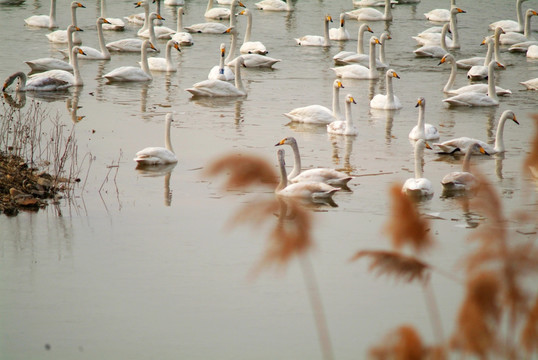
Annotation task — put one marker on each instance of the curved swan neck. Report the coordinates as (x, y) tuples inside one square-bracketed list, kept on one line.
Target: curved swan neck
[(70, 31), (145, 26), (167, 142), (11, 79), (419, 150), (489, 53), (360, 39), (527, 31), (519, 14), (238, 80), (249, 26), (297, 160), (492, 93), (283, 176), (52, 14), (454, 29), (452, 77), (499, 135), (144, 59), (388, 10), (233, 44), (179, 19), (168, 54), (337, 113), (326, 41), (76, 71), (443, 37), (100, 36)]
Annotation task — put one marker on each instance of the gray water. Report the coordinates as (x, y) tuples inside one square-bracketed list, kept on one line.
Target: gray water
[(133, 272)]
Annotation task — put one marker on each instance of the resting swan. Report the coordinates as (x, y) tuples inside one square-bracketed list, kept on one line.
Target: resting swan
[(219, 13), (316, 40), (44, 21), (52, 80), (463, 144), (423, 130), (133, 44), (159, 155), (317, 114), (434, 51), (324, 175), (339, 33), (220, 71), (389, 101), (133, 73), (462, 180), (478, 98), (440, 15), (219, 88), (250, 60), (418, 186), (511, 25), (346, 127), (482, 88), (360, 46), (60, 36), (355, 71), (370, 14), (103, 53), (214, 27), (251, 47), (112, 23), (431, 38), (182, 37), (531, 84), (164, 64), (274, 5)]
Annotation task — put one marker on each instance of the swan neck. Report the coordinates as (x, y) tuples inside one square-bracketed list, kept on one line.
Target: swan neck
[(360, 40), (52, 14), (519, 13), (103, 9), (496, 45), (167, 142), (454, 29), (76, 71), (337, 113), (70, 32), (382, 52), (489, 54), (249, 27), (22, 77), (418, 160), (420, 124), (443, 38), (152, 37), (390, 91), (467, 161), (102, 45), (221, 64), (388, 10), (168, 54), (348, 115), (492, 93), (179, 20), (499, 135), (145, 26), (452, 77), (74, 15), (283, 176), (238, 80), (326, 40), (297, 161), (233, 44), (527, 31), (209, 5), (371, 61), (144, 59)]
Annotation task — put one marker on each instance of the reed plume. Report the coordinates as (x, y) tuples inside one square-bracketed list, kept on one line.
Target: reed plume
[(402, 343)]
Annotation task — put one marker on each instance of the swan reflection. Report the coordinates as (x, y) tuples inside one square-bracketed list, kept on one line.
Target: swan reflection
[(157, 171), (18, 102), (72, 107)]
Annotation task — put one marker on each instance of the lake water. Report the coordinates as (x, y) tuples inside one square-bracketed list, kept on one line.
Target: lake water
[(130, 271)]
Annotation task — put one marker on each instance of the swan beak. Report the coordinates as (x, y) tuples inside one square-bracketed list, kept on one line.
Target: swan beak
[(222, 52), (483, 42), (395, 75), (389, 37), (281, 142), (427, 146), (80, 5), (340, 84), (5, 86), (369, 29), (160, 17), (482, 151), (515, 120), (329, 18), (534, 13), (442, 61), (78, 29), (176, 45), (105, 21), (351, 100), (242, 5), (241, 13), (81, 52), (229, 30), (419, 102), (461, 11), (152, 46), (342, 21), (138, 4), (501, 66), (377, 41)]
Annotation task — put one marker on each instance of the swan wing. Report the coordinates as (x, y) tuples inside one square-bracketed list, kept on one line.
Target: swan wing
[(313, 114), (272, 5), (183, 38), (127, 73), (253, 47), (155, 156), (418, 187), (458, 180), (214, 88), (307, 190), (207, 28), (126, 45), (44, 64), (324, 175), (218, 13), (255, 61), (310, 40), (353, 71)]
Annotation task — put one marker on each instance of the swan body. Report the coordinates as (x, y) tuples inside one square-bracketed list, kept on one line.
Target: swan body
[(181, 37), (422, 130), (133, 44), (114, 24), (440, 15), (221, 72), (340, 127), (219, 88), (511, 38), (159, 32), (434, 51), (431, 38), (179, 2), (462, 180), (355, 71), (464, 144), (389, 101), (305, 190), (531, 84), (480, 88), (522, 46), (364, 59), (164, 64), (274, 5), (479, 72), (255, 61), (45, 64), (251, 47), (133, 73), (477, 98), (378, 3), (214, 27), (360, 46), (340, 33), (324, 175), (44, 21), (418, 186), (103, 53), (511, 25), (60, 36), (218, 13), (316, 40), (317, 114), (158, 155), (370, 14)]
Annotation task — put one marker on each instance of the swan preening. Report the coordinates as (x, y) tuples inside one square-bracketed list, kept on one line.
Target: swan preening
[(387, 101), (457, 181), (344, 127), (370, 14), (164, 64), (305, 190), (219, 88), (159, 155), (418, 186), (133, 73), (316, 40), (356, 71), (464, 144), (44, 21), (317, 114), (423, 130), (324, 175), (52, 80), (60, 36)]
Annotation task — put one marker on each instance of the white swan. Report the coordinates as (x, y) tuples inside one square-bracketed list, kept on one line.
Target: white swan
[(164, 64), (251, 47), (479, 60), (324, 175), (178, 2), (482, 88), (219, 88), (218, 13), (463, 144), (340, 127), (355, 71), (440, 15), (44, 21), (214, 27), (462, 180), (511, 25), (531, 84), (160, 32), (44, 64), (138, 18), (159, 155), (114, 24), (511, 38), (60, 36), (387, 101), (316, 40), (418, 186), (133, 73), (318, 114), (370, 14), (102, 53), (364, 59), (134, 44), (220, 71), (339, 33), (532, 52), (305, 190), (422, 130), (479, 72), (274, 5), (52, 80), (379, 3), (182, 37), (431, 38), (434, 51), (360, 45), (478, 98), (249, 60)]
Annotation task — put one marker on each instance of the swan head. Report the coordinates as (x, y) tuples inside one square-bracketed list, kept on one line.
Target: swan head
[(392, 73), (447, 57), (328, 18), (365, 27), (350, 99), (75, 4), (141, 3), (421, 102), (148, 45), (338, 84), (154, 16), (77, 50), (287, 141), (530, 12), (222, 49), (342, 19), (10, 80), (72, 28), (375, 40), (100, 21), (457, 10), (385, 36), (477, 147), (509, 114), (230, 30), (499, 65), (421, 143)]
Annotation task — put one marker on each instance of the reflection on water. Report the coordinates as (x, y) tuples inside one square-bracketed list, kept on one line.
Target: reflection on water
[(19, 102), (336, 142), (157, 171), (72, 106), (499, 157)]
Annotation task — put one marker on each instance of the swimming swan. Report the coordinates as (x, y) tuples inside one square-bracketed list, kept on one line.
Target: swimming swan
[(531, 84), (316, 40), (511, 38), (220, 71), (370, 14), (114, 24), (422, 130), (103, 53), (60, 36), (346, 127), (219, 13), (356, 71), (214, 27), (182, 37), (479, 72), (164, 64), (219, 88), (418, 186), (44, 21), (511, 25), (387, 101), (360, 45), (462, 180), (339, 33), (466, 143), (133, 73), (431, 38), (133, 44), (249, 60), (251, 47), (317, 114), (364, 59), (159, 155), (274, 5), (479, 60), (434, 51), (324, 175), (440, 15)]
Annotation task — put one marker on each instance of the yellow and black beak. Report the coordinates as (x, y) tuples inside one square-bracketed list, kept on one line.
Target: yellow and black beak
[(80, 5), (369, 29), (281, 142), (482, 151), (515, 120), (427, 146), (352, 100), (241, 4), (395, 75), (329, 18), (461, 11), (160, 17), (342, 22), (138, 4), (442, 61), (152, 46), (419, 102), (81, 52), (176, 46), (340, 85), (105, 21)]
